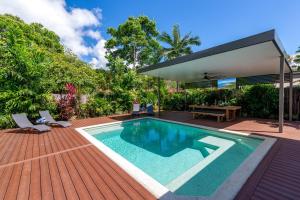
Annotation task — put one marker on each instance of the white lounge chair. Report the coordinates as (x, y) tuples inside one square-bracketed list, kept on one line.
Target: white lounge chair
[(136, 109), (51, 121), (23, 123)]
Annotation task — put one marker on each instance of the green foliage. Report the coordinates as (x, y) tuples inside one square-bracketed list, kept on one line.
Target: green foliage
[(135, 42), (297, 59), (256, 100), (96, 106), (176, 101), (67, 68), (6, 121), (24, 53), (33, 64), (178, 46), (125, 86), (25, 100), (132, 43), (260, 101)]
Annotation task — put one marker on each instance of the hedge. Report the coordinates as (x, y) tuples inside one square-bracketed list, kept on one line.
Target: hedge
[(256, 101)]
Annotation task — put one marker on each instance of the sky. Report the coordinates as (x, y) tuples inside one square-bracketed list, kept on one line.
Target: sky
[(82, 24)]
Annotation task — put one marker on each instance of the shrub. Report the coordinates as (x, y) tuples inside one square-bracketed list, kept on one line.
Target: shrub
[(25, 101), (146, 97), (256, 100), (96, 107), (175, 101), (6, 121), (66, 105), (259, 101)]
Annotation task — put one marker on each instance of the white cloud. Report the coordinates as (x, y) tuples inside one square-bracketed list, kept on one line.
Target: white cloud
[(99, 54), (93, 34), (71, 24), (83, 17)]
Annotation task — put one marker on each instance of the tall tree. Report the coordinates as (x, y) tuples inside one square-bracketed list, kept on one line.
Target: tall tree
[(177, 45), (135, 42)]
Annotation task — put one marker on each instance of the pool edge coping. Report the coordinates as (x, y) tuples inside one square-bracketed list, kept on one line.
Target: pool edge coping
[(226, 191)]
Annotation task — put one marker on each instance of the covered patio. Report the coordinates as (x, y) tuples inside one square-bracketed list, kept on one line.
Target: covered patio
[(257, 55)]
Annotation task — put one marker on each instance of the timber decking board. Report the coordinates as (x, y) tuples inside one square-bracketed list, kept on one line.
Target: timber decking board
[(38, 144), (277, 176), (61, 164)]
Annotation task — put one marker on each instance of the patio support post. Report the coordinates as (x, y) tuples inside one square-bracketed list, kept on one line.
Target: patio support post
[(281, 94), (291, 98), (158, 94), (185, 100)]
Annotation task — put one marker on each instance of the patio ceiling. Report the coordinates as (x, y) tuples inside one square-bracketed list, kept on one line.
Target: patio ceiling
[(255, 55)]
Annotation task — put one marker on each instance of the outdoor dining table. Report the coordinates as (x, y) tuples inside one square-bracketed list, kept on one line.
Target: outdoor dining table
[(230, 111)]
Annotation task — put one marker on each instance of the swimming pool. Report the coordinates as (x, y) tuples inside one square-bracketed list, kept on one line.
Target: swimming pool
[(170, 157)]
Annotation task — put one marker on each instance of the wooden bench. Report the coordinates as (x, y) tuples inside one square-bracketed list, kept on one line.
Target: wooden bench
[(229, 111), (219, 116)]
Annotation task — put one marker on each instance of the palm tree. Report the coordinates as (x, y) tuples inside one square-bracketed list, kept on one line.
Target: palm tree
[(178, 46), (296, 59)]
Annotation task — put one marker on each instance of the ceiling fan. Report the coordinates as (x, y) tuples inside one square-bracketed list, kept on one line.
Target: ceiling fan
[(211, 77)]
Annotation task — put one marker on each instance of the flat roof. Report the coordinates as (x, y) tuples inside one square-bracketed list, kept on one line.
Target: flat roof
[(251, 56)]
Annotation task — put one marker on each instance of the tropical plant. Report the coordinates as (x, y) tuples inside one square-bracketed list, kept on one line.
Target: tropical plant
[(96, 106), (260, 100), (24, 51), (133, 43), (297, 59), (66, 103), (33, 65), (178, 45), (175, 101)]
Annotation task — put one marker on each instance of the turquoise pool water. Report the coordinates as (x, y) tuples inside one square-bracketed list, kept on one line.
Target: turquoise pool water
[(185, 159)]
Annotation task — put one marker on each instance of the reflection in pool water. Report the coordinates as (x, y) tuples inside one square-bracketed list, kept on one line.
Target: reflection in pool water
[(164, 140), (167, 151)]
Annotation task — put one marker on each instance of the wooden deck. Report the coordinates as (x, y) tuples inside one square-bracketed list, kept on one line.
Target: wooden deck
[(277, 176), (61, 164)]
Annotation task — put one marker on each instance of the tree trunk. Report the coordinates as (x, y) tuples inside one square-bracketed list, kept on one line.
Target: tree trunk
[(177, 86), (134, 57)]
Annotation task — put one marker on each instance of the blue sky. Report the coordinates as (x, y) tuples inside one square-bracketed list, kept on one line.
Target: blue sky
[(215, 22), (82, 24)]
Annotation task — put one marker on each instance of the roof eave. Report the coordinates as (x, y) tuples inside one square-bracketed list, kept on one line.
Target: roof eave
[(234, 45)]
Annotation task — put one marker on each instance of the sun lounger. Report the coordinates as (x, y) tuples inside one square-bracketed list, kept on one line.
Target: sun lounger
[(51, 121), (136, 109), (23, 123), (150, 109)]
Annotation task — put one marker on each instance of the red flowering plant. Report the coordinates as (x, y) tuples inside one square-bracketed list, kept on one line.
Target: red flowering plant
[(66, 104)]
